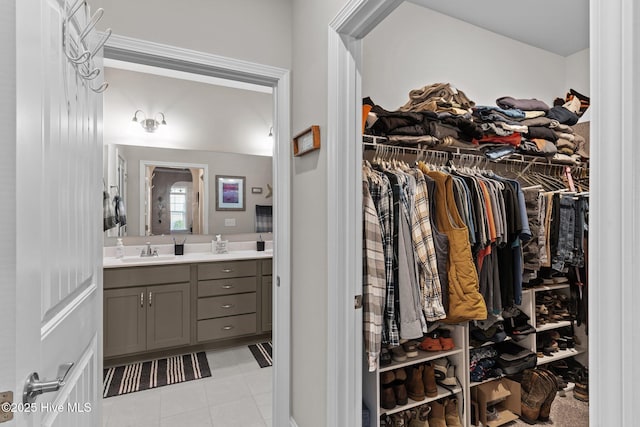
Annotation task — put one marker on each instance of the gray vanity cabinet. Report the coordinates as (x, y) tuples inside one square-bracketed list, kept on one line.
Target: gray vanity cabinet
[(144, 318), (227, 300), (125, 321), (267, 296), (211, 304), (168, 320)]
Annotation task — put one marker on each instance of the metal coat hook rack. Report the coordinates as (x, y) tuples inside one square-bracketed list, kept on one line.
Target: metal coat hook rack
[(75, 42)]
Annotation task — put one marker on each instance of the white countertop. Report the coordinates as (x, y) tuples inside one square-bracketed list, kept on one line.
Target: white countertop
[(194, 253)]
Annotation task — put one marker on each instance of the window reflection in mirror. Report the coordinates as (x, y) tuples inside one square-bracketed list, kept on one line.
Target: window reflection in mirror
[(173, 199)]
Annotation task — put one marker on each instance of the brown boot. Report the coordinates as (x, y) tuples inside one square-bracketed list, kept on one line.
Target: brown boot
[(545, 408), (387, 377), (451, 414), (415, 386), (387, 397), (429, 380), (400, 392), (534, 393), (436, 416)]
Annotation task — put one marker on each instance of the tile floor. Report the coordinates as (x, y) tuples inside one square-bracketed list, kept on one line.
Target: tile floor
[(238, 393)]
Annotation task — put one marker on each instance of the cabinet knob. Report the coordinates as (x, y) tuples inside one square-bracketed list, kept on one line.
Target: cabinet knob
[(227, 328), (227, 270), (227, 306), (227, 286)]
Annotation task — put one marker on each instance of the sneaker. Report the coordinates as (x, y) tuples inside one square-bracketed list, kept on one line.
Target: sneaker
[(398, 354), (398, 420), (410, 349), (421, 418), (385, 357)]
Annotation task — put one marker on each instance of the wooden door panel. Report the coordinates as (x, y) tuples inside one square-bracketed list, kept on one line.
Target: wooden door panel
[(58, 205)]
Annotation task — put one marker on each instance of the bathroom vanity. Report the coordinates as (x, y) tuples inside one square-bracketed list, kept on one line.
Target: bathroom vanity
[(195, 301)]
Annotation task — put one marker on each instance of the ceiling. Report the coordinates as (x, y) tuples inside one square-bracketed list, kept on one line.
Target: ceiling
[(561, 27)]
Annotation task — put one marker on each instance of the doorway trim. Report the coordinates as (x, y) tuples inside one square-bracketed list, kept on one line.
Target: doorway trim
[(344, 214), (165, 56)]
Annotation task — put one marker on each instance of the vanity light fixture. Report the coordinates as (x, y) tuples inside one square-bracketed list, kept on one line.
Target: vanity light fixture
[(150, 125)]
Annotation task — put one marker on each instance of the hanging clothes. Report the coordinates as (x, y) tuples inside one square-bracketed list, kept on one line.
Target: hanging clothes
[(465, 302), (373, 265), (120, 213), (380, 190), (108, 217)]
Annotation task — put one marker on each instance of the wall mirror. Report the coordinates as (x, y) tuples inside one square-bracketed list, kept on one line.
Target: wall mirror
[(174, 198), (214, 127)]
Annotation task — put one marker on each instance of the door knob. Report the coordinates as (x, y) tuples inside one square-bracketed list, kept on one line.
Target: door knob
[(34, 387)]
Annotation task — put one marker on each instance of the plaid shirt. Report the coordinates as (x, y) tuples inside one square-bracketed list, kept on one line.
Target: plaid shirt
[(374, 280), (380, 190), (426, 253)]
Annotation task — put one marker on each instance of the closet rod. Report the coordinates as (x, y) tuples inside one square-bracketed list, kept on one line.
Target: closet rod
[(378, 141)]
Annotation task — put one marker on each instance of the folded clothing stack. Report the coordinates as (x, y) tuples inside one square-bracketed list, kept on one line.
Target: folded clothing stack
[(440, 114)]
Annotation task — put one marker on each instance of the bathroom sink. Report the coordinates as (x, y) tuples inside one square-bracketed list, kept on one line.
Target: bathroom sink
[(136, 259)]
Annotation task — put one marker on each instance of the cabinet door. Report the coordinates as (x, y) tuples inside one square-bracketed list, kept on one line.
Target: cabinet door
[(168, 315), (125, 321), (267, 298)]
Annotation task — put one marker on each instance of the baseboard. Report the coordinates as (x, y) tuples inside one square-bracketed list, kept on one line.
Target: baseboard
[(292, 422)]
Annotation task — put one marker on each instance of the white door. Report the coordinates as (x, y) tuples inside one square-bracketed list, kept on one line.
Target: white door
[(58, 206)]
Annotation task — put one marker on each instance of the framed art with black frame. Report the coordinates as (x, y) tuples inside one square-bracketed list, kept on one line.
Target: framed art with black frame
[(230, 193)]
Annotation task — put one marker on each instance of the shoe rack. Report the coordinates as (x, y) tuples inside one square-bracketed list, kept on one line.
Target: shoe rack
[(529, 307), (458, 356)]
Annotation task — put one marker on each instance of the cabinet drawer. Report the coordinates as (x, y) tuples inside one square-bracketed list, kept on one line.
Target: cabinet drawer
[(210, 288), (226, 327), (228, 305), (222, 270), (267, 266), (142, 276)]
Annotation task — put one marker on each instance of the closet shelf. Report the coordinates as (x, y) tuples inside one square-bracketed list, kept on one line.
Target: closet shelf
[(542, 288), (442, 392), (488, 343), (553, 325), (423, 356), (562, 354), (488, 380)]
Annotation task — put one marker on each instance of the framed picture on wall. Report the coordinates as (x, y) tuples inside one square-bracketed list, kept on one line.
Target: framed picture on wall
[(230, 193)]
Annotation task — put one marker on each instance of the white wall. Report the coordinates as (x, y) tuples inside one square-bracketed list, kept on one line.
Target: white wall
[(256, 169), (415, 46), (253, 30), (8, 195), (577, 72), (309, 214), (199, 116)]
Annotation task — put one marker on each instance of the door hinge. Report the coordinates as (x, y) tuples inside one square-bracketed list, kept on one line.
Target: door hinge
[(6, 403), (358, 301), (278, 281)]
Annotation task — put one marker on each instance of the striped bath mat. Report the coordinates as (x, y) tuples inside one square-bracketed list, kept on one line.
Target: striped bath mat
[(263, 353), (156, 373)]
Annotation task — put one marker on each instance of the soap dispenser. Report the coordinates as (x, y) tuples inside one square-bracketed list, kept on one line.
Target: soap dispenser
[(119, 249)]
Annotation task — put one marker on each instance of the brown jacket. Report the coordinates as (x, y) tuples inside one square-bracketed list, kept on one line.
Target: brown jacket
[(465, 300)]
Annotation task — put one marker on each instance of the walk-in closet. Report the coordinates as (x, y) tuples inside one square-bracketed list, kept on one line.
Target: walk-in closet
[(475, 221)]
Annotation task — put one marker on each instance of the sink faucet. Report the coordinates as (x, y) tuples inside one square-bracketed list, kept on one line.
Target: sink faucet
[(148, 251)]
